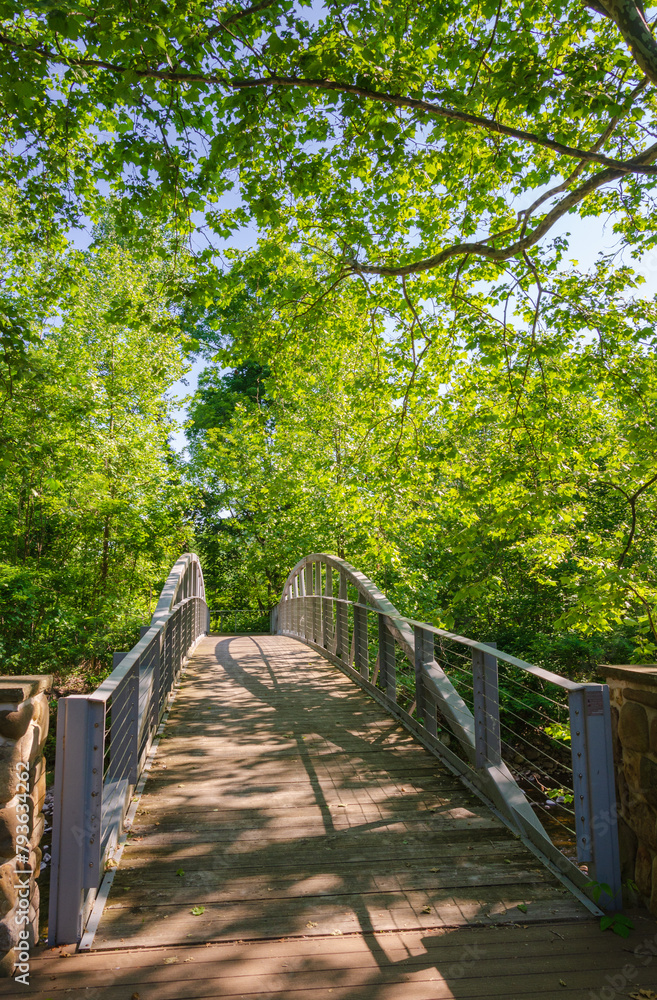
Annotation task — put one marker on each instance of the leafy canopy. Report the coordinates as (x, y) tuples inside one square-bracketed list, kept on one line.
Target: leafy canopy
[(412, 137)]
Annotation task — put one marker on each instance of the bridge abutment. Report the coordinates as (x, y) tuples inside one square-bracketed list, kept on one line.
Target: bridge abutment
[(23, 731)]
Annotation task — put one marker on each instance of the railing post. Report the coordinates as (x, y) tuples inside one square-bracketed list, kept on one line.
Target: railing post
[(328, 621), (594, 788), (424, 655), (298, 603), (155, 695), (360, 640), (387, 664), (488, 745), (77, 811), (307, 601), (341, 623), (317, 603)]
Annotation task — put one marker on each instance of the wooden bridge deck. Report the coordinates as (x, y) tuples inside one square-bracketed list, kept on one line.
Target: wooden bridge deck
[(294, 842)]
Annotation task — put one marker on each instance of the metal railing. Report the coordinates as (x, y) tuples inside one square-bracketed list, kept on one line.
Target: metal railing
[(103, 740), (239, 621), (535, 745)]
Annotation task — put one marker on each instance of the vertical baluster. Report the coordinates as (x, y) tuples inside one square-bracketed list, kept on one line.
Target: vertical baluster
[(341, 624), (360, 639), (328, 618), (387, 665), (317, 602), (307, 601)]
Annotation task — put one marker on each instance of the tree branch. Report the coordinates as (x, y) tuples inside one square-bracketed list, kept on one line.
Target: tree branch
[(630, 20), (483, 249), (633, 166)]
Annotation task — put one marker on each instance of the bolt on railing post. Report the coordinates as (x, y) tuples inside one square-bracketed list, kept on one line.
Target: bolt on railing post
[(594, 789), (486, 708)]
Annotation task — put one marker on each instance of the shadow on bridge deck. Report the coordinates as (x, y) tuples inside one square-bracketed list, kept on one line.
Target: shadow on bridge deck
[(294, 842)]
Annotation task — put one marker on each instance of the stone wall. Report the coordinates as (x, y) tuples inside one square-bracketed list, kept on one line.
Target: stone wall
[(633, 695), (23, 731)]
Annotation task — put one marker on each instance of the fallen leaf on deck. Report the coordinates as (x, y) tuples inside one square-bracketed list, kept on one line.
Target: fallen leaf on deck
[(311, 923), (170, 961), (196, 911), (336, 933), (426, 909), (180, 872), (522, 907)]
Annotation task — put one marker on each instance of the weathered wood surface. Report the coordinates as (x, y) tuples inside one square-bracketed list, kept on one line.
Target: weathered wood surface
[(567, 961), (332, 857)]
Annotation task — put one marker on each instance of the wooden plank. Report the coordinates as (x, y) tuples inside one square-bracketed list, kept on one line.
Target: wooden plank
[(443, 945), (168, 923), (264, 975)]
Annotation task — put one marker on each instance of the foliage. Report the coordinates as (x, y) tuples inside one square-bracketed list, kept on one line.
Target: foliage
[(619, 923), (431, 136), (512, 496), (92, 500), (408, 370)]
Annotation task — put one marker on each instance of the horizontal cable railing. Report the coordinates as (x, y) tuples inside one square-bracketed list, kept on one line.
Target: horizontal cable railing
[(103, 740), (239, 621), (535, 744)]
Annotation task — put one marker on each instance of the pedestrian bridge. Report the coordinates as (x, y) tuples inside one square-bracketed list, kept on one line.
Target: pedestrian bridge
[(355, 805)]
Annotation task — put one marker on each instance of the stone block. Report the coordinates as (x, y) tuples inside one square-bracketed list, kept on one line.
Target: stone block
[(12, 753), (632, 770), (38, 791), (14, 690), (648, 778), (41, 711), (615, 741), (623, 793), (37, 830), (14, 723), (8, 824), (643, 822), (643, 871), (37, 771), (653, 895), (628, 844), (8, 932), (645, 696), (633, 727), (7, 887)]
